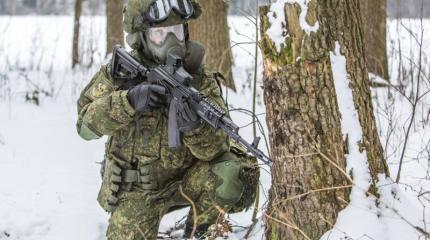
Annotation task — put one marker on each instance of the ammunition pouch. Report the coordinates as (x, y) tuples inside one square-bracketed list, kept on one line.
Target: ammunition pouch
[(108, 195), (117, 180)]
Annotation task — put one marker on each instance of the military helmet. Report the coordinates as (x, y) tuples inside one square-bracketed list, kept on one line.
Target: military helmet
[(140, 15)]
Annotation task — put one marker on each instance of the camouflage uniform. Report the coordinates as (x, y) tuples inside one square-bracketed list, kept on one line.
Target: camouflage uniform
[(142, 176)]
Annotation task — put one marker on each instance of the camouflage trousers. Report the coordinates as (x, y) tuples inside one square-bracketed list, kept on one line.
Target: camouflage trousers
[(138, 217)]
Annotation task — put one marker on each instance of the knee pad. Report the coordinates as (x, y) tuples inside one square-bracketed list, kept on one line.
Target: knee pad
[(228, 188)]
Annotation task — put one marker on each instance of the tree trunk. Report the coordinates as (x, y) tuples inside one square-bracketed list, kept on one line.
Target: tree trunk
[(76, 28), (374, 15), (309, 182), (115, 32), (10, 7), (211, 29)]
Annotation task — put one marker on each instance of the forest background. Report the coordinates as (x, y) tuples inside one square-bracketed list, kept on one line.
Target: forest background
[(49, 177)]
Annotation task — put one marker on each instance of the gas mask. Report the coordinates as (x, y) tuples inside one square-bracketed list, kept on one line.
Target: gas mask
[(162, 41)]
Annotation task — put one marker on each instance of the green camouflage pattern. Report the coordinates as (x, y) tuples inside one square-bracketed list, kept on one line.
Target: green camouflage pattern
[(134, 22), (138, 218), (140, 142)]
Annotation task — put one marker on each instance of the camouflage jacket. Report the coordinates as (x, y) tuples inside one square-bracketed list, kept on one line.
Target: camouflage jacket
[(139, 141)]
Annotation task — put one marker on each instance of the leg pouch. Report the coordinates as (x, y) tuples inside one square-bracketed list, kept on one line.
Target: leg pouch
[(112, 180)]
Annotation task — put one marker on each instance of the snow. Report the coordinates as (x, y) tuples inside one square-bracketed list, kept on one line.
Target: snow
[(277, 31), (49, 177), (356, 160), (402, 212), (360, 206)]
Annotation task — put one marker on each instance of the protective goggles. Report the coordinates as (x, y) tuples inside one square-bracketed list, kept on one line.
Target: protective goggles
[(158, 35), (159, 10)]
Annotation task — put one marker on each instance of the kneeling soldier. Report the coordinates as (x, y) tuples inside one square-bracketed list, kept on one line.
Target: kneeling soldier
[(143, 179)]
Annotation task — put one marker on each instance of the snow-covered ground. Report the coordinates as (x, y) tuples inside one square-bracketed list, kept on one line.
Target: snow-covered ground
[(49, 177)]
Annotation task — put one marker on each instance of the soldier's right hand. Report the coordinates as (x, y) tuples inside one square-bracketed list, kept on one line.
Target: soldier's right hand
[(146, 97)]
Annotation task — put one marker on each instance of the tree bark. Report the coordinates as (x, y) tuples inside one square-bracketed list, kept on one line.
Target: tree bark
[(114, 29), (76, 29), (211, 29), (374, 15), (309, 183)]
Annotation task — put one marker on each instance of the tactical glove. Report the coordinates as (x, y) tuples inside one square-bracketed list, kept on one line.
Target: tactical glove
[(146, 97)]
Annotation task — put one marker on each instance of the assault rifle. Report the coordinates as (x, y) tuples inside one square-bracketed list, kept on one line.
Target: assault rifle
[(127, 71)]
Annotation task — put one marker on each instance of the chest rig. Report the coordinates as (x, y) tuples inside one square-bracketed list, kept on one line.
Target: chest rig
[(137, 157)]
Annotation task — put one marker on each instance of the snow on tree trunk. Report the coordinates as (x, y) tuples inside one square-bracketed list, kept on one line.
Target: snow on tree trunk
[(211, 29), (309, 182), (115, 32)]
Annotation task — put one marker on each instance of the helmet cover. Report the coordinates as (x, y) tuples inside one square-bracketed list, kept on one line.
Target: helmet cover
[(135, 20)]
